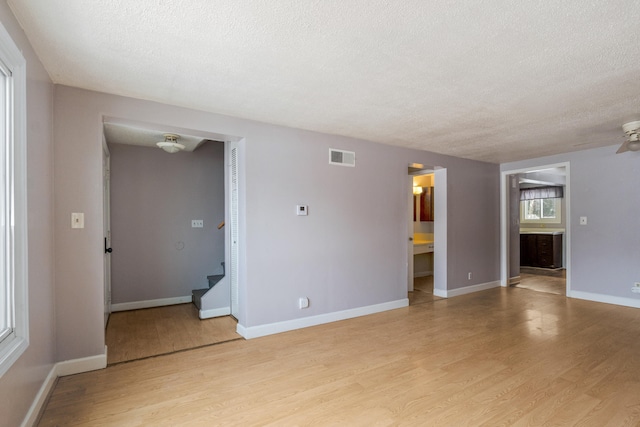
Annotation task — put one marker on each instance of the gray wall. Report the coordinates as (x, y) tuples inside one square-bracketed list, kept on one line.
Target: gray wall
[(154, 197), (351, 251), (604, 188), (19, 385)]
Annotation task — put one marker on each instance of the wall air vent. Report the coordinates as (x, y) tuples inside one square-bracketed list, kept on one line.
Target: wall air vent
[(342, 158)]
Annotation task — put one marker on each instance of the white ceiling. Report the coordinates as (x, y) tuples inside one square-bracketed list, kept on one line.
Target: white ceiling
[(489, 80), (116, 133)]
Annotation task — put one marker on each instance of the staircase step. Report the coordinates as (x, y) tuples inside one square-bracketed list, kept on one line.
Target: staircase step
[(214, 279), (196, 297)]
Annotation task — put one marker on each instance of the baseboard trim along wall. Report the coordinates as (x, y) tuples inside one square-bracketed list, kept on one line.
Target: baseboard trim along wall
[(136, 305), (466, 290), (607, 299), (41, 398), (214, 312), (61, 369), (305, 322)]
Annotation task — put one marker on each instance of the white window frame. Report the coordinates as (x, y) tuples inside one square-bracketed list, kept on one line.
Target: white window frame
[(14, 191), (556, 220)]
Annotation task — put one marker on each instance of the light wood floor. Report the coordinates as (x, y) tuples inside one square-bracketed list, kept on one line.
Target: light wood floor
[(138, 334), (505, 356), (554, 284), (422, 291)]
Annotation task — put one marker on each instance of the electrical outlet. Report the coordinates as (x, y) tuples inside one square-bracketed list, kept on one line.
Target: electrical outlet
[(303, 303), (469, 276), (197, 223), (636, 288)]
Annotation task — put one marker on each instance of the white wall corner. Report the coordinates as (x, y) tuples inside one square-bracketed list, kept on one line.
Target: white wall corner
[(214, 312), (305, 322), (440, 293)]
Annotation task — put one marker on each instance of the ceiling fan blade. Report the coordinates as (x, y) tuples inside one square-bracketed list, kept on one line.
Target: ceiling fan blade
[(624, 147)]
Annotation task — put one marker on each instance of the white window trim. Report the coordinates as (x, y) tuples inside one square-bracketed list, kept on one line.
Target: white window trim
[(556, 220), (12, 347)]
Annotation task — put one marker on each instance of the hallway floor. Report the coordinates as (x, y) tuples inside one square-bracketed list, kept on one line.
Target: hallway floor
[(553, 282), (422, 291), (139, 334)]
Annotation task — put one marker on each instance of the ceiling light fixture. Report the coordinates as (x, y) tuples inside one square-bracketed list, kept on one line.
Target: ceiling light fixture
[(634, 142), (169, 144)]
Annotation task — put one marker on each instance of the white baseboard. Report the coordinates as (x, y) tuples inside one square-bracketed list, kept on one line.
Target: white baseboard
[(40, 399), (513, 280), (136, 305), (466, 290), (61, 369), (305, 322), (607, 299), (440, 293), (85, 364), (214, 312)]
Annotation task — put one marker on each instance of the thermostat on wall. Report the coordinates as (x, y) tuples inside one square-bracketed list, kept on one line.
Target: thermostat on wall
[(302, 210)]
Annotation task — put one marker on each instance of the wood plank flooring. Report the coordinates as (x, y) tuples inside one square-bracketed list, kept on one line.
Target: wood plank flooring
[(505, 356), (138, 334), (543, 283), (422, 291)]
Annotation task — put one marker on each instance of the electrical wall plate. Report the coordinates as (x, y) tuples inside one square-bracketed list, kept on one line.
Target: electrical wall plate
[(302, 210), (77, 220)]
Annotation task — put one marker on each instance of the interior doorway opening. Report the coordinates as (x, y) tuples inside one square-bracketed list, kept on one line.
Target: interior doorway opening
[(535, 228), (184, 233), (421, 232)]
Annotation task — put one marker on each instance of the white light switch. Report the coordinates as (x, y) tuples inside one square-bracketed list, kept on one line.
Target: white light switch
[(197, 223), (583, 220), (77, 220)]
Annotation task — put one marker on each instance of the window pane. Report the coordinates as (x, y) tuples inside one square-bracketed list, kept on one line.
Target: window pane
[(532, 209), (549, 208)]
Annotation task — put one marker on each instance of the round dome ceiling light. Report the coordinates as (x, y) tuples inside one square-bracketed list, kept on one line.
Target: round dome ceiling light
[(169, 144)]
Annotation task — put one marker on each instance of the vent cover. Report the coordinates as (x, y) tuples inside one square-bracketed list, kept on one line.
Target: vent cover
[(342, 158)]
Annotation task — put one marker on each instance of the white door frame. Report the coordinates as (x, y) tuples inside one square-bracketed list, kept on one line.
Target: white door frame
[(439, 231), (232, 216), (106, 206), (504, 221)]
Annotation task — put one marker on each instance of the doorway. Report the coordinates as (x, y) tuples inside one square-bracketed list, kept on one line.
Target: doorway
[(535, 228), (135, 180), (421, 277)]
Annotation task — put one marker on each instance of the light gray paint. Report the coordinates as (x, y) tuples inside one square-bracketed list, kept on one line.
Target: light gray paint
[(350, 251), (19, 385), (604, 188), (154, 197)]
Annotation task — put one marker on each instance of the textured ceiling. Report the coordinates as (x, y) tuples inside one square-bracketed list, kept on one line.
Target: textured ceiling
[(488, 80)]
